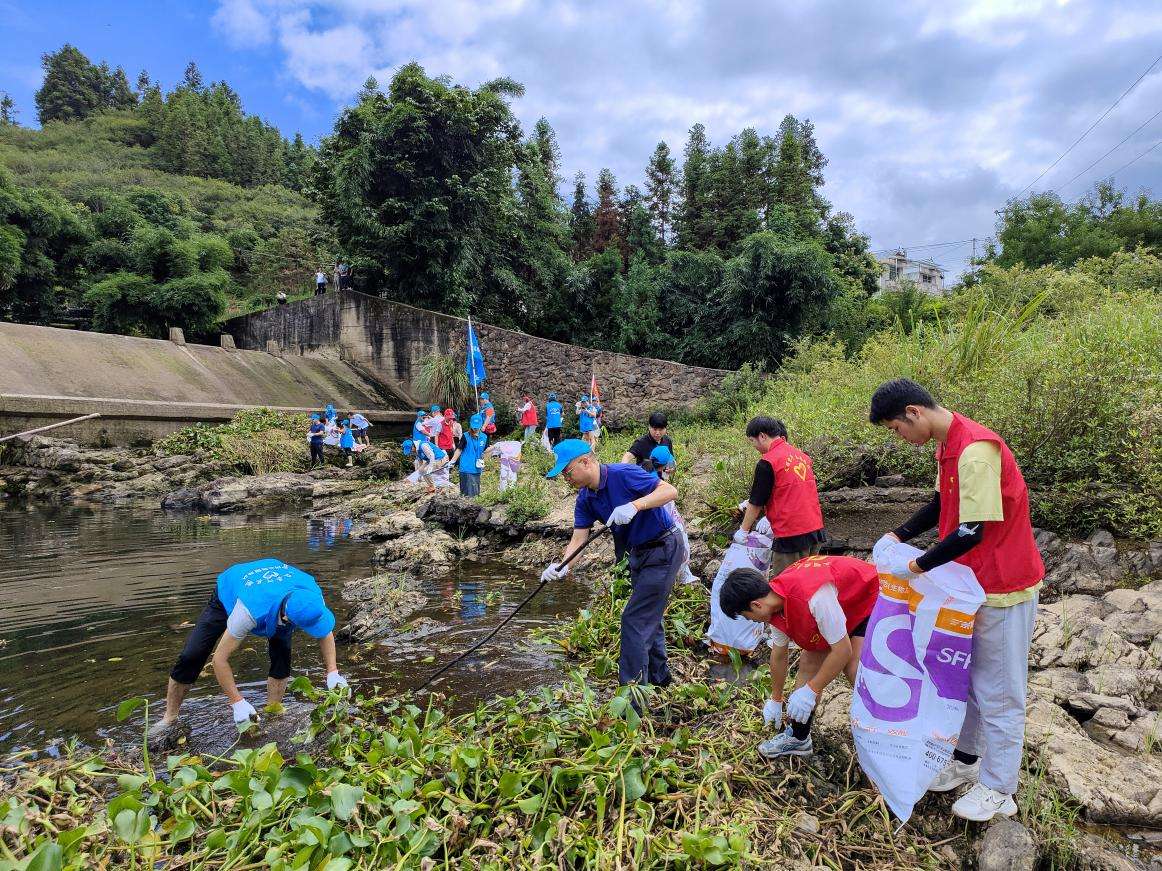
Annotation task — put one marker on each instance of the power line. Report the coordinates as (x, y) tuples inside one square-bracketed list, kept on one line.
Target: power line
[(1108, 153), (1136, 159), (1091, 126), (922, 245)]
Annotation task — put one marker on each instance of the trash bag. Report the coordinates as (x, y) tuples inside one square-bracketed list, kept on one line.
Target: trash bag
[(545, 443), (740, 634), (911, 688)]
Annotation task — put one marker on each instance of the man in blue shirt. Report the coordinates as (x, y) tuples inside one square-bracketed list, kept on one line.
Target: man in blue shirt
[(630, 500), (315, 434), (554, 418), (267, 598), (470, 453)]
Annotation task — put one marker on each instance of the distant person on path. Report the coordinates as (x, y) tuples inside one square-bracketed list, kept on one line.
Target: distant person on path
[(783, 489), (488, 413), (362, 427), (528, 416), (470, 453), (281, 297), (554, 419), (329, 413), (981, 511), (822, 603), (630, 500), (267, 598), (347, 441), (343, 282), (656, 436), (315, 434), (320, 283)]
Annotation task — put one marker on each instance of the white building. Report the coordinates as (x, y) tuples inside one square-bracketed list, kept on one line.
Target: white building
[(927, 275)]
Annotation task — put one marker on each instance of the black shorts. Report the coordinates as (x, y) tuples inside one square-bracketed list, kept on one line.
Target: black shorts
[(554, 434), (861, 629), (210, 626)]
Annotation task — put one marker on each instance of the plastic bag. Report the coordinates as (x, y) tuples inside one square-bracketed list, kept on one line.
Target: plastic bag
[(912, 685), (740, 633)]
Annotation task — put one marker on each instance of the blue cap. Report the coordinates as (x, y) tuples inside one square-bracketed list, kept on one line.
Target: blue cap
[(484, 395), (435, 409), (566, 452), (407, 447), (476, 421), (314, 415), (661, 456), (584, 396), (552, 395), (307, 610), (344, 422), (420, 412)]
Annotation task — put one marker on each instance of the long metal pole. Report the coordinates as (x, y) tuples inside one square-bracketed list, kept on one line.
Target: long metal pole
[(30, 432)]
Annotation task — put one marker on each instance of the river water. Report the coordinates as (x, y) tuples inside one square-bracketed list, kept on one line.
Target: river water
[(95, 604)]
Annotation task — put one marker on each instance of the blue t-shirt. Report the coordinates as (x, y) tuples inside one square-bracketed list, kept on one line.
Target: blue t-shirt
[(262, 586), (317, 430), (472, 453), (347, 439), (621, 483), (554, 415), (588, 419)]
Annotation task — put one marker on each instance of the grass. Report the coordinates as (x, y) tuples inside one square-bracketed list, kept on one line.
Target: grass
[(1049, 815)]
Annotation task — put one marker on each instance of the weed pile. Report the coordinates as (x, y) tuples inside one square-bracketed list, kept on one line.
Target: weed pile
[(256, 441)]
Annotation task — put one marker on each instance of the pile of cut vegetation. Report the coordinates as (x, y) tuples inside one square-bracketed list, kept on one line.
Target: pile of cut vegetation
[(256, 441)]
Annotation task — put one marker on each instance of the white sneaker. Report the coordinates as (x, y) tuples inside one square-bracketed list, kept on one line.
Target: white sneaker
[(955, 773), (786, 744), (980, 804)]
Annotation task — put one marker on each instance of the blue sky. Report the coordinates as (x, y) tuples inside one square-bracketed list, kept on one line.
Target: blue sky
[(932, 114)]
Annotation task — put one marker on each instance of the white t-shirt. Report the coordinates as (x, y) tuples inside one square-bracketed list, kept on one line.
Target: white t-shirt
[(240, 621), (825, 608), (320, 278)]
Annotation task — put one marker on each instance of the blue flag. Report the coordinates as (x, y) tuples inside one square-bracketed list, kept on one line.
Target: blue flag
[(474, 368)]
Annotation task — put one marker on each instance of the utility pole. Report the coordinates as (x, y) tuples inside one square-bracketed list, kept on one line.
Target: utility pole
[(974, 257)]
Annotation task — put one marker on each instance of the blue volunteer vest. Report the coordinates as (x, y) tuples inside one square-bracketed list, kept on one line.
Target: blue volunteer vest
[(554, 415), (262, 586), (474, 447)]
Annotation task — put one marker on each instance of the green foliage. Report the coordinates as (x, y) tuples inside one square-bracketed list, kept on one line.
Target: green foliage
[(525, 501), (256, 441), (737, 393), (74, 87), (442, 379)]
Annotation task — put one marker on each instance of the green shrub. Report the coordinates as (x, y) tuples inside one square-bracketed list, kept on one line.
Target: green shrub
[(256, 441), (734, 396)]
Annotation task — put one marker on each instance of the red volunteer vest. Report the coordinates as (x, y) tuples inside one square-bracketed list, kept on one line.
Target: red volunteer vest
[(1007, 558), (856, 582), (445, 440), (793, 508), (529, 418)]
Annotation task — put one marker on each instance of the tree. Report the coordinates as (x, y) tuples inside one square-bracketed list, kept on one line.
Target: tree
[(549, 152), (192, 77), (120, 95), (143, 83), (661, 187), (607, 230), (581, 224), (639, 239), (792, 183), (695, 229), (8, 111), (73, 88)]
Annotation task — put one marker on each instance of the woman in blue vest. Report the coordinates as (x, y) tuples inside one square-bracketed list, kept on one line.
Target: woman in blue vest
[(554, 419), (587, 421), (267, 598), (470, 453)]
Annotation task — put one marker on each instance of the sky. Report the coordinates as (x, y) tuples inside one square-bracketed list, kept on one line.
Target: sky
[(932, 115)]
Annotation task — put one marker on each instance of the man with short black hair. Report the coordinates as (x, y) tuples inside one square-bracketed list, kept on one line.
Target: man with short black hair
[(981, 511), (783, 489), (655, 437)]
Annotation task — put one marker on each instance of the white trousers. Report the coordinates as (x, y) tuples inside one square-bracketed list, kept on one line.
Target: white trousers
[(994, 721)]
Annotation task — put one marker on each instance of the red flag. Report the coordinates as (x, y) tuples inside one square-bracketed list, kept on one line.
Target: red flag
[(594, 390)]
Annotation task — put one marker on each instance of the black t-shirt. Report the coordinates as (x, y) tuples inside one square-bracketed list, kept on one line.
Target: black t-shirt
[(644, 446)]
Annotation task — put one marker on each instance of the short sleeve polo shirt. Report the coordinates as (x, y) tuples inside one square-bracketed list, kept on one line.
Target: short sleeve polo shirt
[(621, 483)]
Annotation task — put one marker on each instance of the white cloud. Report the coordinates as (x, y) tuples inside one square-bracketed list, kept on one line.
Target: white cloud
[(242, 23)]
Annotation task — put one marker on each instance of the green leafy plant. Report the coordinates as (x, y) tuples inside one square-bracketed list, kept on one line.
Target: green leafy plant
[(442, 379)]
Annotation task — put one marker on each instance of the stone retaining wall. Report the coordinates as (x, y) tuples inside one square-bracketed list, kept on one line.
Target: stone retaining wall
[(392, 339)]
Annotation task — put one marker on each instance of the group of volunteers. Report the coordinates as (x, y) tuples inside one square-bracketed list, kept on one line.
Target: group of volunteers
[(821, 603), (350, 433)]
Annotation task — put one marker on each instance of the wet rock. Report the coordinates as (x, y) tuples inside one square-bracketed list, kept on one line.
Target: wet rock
[(381, 602), (890, 481), (164, 737), (1006, 846), (1097, 854), (389, 526), (164, 464), (1110, 785), (185, 499), (807, 823), (233, 494), (452, 511)]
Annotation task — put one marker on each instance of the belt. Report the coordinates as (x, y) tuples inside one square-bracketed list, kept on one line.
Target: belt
[(656, 542)]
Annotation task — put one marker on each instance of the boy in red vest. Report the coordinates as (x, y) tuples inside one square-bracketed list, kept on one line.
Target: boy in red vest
[(822, 603), (783, 489), (981, 511)]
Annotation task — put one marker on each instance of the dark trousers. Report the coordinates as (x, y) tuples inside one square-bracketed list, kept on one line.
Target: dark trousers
[(209, 628), (469, 484), (317, 453), (320, 289), (643, 640), (554, 435)]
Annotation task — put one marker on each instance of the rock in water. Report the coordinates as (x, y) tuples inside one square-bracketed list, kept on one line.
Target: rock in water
[(1007, 846)]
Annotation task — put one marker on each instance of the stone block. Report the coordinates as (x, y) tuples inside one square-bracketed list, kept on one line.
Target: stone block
[(226, 341), (177, 336)]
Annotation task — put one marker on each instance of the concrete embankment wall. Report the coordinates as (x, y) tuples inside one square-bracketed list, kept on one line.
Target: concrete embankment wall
[(392, 340), (146, 388)]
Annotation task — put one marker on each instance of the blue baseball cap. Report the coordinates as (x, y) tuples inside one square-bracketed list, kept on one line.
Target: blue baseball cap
[(484, 395), (307, 610), (552, 395), (566, 452), (420, 412), (407, 447), (435, 409), (476, 421), (314, 415), (661, 455)]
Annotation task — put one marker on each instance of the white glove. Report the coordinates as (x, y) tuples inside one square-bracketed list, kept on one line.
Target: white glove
[(334, 679), (897, 563), (773, 713), (554, 572), (881, 548), (801, 704), (741, 536), (623, 514), (243, 711)]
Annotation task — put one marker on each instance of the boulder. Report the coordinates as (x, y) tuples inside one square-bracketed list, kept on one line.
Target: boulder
[(381, 603), (388, 526), (1006, 846)]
